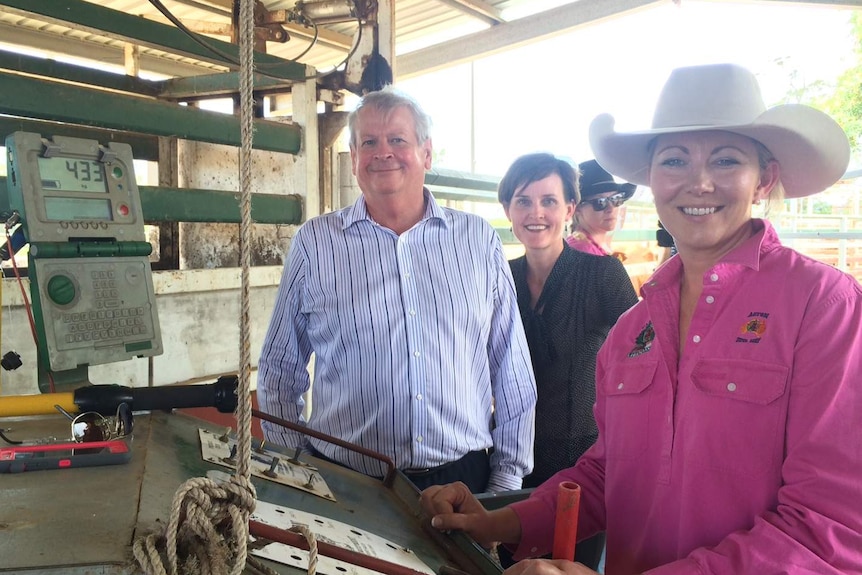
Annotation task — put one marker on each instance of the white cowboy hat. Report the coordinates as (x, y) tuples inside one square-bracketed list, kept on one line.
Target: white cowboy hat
[(811, 148)]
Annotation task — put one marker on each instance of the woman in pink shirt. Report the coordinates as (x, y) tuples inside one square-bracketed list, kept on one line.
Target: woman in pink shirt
[(599, 212), (729, 400)]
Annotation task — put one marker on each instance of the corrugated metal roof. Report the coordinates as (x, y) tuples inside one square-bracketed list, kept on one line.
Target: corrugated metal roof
[(428, 33), (418, 24)]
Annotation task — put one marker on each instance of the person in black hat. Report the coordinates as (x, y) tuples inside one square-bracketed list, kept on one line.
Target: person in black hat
[(598, 213)]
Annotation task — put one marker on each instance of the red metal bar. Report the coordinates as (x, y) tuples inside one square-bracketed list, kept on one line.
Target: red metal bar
[(327, 549), (390, 465), (566, 525)]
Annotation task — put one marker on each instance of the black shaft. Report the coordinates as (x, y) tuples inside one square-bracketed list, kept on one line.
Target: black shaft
[(104, 399)]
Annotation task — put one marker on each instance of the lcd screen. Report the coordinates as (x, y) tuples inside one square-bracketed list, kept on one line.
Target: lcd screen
[(66, 209), (72, 175)]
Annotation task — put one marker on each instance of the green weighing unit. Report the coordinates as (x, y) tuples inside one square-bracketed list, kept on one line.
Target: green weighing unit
[(91, 282)]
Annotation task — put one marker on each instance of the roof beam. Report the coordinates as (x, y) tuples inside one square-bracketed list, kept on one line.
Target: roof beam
[(103, 53), (513, 34), (325, 37), (95, 19), (478, 9)]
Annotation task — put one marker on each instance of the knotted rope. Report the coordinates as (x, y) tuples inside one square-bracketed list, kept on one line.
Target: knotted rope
[(207, 533)]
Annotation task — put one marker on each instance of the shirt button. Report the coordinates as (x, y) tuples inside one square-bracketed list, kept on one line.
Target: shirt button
[(710, 299), (696, 339), (419, 439), (412, 312), (416, 353), (731, 386), (620, 386), (713, 277), (534, 550), (419, 396), (407, 275)]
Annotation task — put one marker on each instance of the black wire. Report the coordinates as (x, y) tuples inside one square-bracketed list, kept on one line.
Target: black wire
[(7, 440), (310, 45), (346, 58), (176, 22), (230, 59)]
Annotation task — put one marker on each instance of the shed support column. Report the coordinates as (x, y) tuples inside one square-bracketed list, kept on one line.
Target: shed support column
[(306, 170), (169, 232), (386, 32)]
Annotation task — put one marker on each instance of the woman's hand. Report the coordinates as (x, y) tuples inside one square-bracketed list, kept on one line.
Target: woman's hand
[(547, 567), (453, 507)]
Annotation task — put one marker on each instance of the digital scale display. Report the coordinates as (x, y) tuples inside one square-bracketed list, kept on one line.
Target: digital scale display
[(59, 175), (61, 209), (72, 175)]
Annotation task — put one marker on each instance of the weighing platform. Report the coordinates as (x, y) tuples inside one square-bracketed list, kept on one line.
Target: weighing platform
[(84, 521)]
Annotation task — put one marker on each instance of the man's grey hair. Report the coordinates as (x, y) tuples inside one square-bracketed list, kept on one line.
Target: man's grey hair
[(387, 100)]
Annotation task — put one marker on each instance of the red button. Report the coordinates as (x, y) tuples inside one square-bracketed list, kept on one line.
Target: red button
[(65, 463), (123, 209)]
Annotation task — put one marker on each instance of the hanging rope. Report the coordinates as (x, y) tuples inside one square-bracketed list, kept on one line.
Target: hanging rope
[(207, 533), (312, 547)]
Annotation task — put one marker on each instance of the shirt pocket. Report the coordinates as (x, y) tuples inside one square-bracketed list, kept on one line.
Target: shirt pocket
[(736, 419), (629, 407)]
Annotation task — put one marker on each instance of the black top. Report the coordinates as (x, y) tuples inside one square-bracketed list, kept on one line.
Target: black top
[(582, 299)]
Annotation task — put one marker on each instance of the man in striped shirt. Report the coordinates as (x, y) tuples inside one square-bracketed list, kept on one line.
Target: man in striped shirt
[(411, 313)]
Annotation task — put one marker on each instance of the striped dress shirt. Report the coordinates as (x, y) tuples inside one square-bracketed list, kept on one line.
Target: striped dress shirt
[(419, 349)]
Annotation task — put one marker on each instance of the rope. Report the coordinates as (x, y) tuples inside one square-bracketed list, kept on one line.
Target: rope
[(207, 533), (312, 547)]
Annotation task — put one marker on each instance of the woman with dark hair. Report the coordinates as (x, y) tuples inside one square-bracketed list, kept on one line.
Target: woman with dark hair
[(569, 301)]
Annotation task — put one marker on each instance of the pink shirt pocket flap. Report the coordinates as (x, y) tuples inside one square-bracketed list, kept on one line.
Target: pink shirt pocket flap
[(744, 380), (630, 378)]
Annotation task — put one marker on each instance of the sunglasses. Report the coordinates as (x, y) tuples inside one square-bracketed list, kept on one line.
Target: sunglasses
[(601, 204), (87, 427), (91, 426)]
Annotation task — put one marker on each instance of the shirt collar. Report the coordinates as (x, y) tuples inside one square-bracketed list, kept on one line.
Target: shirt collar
[(359, 211), (748, 254)]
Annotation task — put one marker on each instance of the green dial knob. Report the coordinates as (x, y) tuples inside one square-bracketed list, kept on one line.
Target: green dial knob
[(61, 289)]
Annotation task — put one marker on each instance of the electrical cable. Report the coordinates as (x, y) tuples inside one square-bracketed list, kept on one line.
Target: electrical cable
[(27, 306), (197, 38), (7, 440)]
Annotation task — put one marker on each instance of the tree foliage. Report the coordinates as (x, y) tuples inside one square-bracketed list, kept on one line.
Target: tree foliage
[(845, 102)]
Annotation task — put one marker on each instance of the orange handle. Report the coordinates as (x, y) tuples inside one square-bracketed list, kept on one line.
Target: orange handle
[(566, 525)]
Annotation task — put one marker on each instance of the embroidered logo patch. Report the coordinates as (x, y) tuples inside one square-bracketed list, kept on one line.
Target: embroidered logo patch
[(754, 327), (643, 342)]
